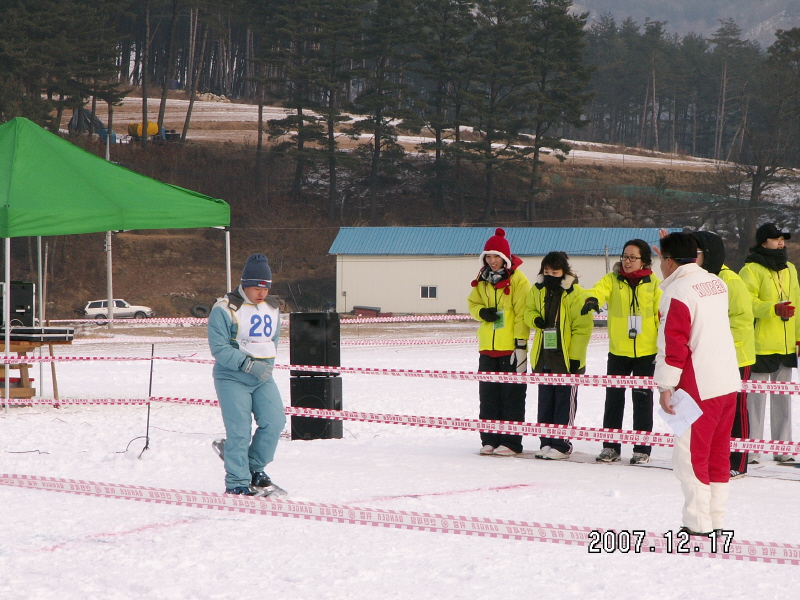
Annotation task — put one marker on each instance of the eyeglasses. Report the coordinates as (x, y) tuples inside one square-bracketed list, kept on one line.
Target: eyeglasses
[(625, 257)]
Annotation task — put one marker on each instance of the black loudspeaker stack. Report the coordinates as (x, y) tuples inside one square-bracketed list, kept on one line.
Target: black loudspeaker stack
[(23, 304), (314, 340)]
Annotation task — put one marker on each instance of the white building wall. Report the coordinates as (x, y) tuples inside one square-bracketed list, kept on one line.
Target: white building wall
[(393, 283)]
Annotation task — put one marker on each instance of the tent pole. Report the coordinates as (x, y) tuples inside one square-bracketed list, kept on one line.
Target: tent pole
[(7, 319), (40, 299), (109, 283), (228, 285)]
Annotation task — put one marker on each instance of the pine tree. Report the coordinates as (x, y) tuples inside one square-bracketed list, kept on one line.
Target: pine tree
[(384, 94), (771, 127), (557, 93), (340, 30), (444, 31), (500, 64)]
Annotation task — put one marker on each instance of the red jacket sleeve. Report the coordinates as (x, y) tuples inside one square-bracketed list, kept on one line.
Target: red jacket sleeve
[(677, 330)]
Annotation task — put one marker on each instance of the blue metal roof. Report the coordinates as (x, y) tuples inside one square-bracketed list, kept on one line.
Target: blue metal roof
[(469, 241)]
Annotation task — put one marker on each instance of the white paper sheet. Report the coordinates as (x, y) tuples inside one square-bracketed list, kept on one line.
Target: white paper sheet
[(686, 412)]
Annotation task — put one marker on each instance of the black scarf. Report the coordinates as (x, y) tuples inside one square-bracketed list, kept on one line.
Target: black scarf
[(552, 283), (774, 260), (493, 277)]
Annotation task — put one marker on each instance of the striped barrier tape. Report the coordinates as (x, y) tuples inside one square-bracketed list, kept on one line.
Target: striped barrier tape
[(596, 540), (204, 320), (423, 318), (132, 339), (614, 381), (157, 320), (405, 319), (347, 321), (593, 434), (353, 321)]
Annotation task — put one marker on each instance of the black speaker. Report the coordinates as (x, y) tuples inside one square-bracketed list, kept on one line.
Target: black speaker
[(314, 340), (23, 304), (316, 392)]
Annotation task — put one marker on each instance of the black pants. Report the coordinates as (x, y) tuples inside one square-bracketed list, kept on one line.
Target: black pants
[(741, 425), (642, 400), (557, 406), (501, 401)]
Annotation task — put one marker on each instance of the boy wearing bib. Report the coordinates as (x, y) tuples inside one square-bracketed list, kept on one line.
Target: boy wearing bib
[(243, 332)]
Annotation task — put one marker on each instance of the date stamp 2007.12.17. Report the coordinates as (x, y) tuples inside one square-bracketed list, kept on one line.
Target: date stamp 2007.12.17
[(682, 542)]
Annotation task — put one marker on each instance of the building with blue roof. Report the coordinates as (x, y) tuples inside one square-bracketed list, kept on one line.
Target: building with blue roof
[(428, 270)]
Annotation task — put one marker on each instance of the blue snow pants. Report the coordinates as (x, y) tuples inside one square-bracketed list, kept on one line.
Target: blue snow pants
[(238, 400)]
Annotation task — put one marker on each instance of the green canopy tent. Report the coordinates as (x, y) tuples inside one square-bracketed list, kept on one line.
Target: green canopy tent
[(49, 186)]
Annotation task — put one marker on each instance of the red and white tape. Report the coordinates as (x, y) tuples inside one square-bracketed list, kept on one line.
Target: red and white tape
[(204, 320), (650, 542), (346, 321), (614, 381), (132, 339), (406, 319), (156, 320), (593, 434)]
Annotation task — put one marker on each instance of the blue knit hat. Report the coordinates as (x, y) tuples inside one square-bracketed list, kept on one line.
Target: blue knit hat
[(256, 272)]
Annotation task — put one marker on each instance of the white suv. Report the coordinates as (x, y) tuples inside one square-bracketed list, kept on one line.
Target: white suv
[(98, 309)]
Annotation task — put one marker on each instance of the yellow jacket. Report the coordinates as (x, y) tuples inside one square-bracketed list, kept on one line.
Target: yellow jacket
[(767, 288), (740, 314), (575, 328), (624, 301), (485, 295)]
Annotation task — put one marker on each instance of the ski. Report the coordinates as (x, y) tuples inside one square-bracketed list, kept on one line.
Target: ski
[(270, 491), (219, 447)]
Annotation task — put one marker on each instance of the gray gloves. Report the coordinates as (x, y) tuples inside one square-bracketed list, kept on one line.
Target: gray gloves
[(258, 368)]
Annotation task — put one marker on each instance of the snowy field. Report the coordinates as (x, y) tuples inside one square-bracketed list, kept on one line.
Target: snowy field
[(58, 545)]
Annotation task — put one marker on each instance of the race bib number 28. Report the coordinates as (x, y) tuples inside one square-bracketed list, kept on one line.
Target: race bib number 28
[(260, 326)]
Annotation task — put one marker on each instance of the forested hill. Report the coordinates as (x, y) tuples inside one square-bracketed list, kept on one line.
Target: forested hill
[(759, 19)]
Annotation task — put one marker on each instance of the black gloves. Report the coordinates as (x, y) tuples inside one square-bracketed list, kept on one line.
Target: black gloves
[(575, 366), (590, 304), (540, 323), (489, 314)]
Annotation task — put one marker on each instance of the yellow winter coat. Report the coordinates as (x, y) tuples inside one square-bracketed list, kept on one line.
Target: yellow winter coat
[(740, 314), (575, 328), (624, 301), (767, 288), (485, 295)]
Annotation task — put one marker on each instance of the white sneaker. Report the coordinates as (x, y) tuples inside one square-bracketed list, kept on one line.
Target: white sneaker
[(544, 450), (504, 451), (554, 454), (783, 458), (736, 474), (487, 449)]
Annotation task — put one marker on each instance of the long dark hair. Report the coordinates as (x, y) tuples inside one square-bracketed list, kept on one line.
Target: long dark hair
[(557, 260), (644, 250)]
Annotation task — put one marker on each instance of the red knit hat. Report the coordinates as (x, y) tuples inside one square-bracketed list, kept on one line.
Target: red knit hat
[(497, 244)]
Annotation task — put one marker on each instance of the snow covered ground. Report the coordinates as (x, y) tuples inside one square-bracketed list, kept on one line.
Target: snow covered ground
[(57, 545)]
